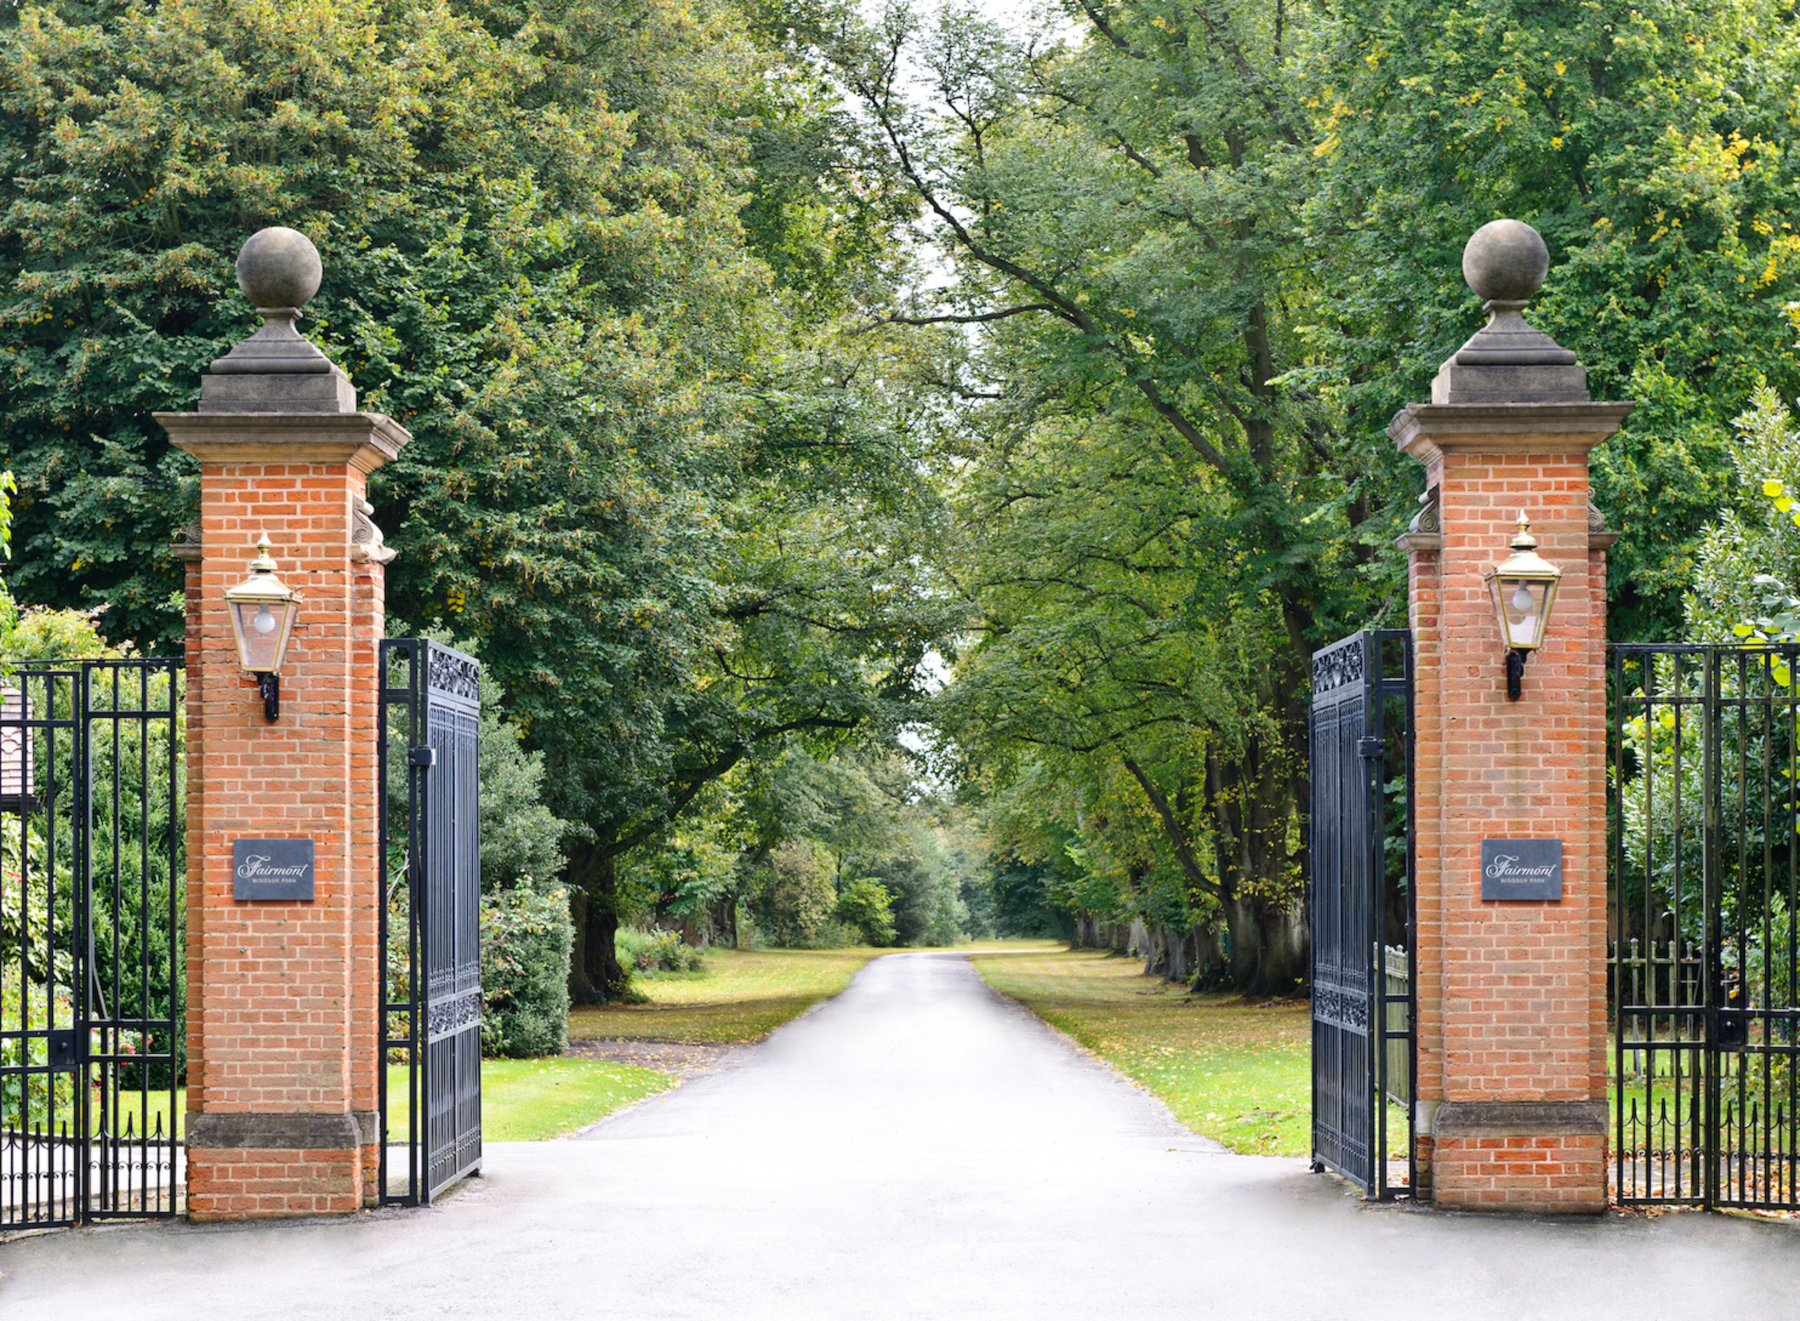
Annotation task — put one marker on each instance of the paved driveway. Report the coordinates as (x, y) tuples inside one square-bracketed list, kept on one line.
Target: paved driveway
[(915, 1148)]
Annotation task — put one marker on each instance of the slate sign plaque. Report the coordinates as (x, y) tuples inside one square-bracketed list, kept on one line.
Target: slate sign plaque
[(272, 869), (1521, 869)]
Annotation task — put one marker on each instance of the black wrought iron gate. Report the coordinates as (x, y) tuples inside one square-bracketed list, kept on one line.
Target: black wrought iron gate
[(1705, 884), (1360, 897), (431, 970), (92, 872)]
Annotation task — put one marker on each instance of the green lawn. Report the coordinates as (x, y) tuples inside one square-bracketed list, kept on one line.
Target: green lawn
[(1230, 1070), (533, 1100), (739, 995)]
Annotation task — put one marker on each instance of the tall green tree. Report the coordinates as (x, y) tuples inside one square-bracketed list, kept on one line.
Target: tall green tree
[(590, 254), (1202, 253), (1138, 477), (1653, 145)]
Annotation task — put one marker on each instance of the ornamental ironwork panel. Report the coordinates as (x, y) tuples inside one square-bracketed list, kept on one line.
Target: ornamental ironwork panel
[(1704, 982), (1360, 867), (431, 969), (92, 867)]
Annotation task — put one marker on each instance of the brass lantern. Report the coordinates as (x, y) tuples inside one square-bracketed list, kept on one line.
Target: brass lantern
[(262, 611), (1523, 588)]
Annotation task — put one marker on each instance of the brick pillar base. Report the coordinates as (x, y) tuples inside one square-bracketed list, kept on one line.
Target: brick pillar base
[(247, 1165), (1541, 1157)]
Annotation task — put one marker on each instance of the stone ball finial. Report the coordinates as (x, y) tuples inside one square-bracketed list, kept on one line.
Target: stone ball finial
[(1506, 261), (279, 267)]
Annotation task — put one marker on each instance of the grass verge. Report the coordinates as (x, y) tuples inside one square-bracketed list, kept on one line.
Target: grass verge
[(1237, 1072), (534, 1100), (740, 995)]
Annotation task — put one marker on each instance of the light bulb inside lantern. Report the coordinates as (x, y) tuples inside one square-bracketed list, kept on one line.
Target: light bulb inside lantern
[(1521, 599), (264, 621)]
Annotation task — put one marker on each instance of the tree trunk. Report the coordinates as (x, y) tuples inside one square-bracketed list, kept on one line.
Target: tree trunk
[(595, 974), (581, 990), (1211, 969), (1281, 945)]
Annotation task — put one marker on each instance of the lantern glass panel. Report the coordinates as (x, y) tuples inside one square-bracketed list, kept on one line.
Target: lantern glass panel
[(1523, 604), (262, 629)]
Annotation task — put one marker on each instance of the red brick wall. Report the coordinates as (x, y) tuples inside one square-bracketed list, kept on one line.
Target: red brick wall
[(369, 626), (258, 1183), (1424, 590), (1518, 978), (275, 1021), (282, 1012)]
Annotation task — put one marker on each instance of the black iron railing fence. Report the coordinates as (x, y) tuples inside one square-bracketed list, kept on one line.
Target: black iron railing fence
[(92, 869), (1704, 808)]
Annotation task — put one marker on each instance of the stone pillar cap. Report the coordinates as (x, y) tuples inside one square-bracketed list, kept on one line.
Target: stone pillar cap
[(364, 441), (277, 370), (1508, 361), (1428, 431)]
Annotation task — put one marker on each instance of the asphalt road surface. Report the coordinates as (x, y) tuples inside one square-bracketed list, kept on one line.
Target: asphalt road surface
[(917, 1147)]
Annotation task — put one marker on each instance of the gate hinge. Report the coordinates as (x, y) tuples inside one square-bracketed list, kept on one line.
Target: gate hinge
[(426, 756), (1368, 746)]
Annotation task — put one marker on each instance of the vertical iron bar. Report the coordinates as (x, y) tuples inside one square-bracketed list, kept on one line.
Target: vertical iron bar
[(1679, 1024), (1711, 926), (1756, 999), (418, 1062), (1412, 922), (1615, 789), (1374, 727), (381, 918), (81, 830), (1791, 840)]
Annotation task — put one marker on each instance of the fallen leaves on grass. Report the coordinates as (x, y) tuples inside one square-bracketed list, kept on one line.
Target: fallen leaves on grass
[(1235, 1072)]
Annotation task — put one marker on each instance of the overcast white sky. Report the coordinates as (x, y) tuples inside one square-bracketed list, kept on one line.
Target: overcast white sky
[(1008, 13), (1013, 15)]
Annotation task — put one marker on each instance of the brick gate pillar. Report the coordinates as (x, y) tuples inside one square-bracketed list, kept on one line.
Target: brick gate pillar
[(281, 1094), (1512, 992)]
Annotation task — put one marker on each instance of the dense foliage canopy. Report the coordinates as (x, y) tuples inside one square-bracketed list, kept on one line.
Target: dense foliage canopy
[(767, 360), (1200, 255)]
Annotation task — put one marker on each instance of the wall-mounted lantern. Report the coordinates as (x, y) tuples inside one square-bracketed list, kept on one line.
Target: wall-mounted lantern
[(1523, 588), (262, 616)]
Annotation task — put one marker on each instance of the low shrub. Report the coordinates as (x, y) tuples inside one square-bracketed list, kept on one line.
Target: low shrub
[(526, 937), (655, 951), (867, 908), (829, 934)]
